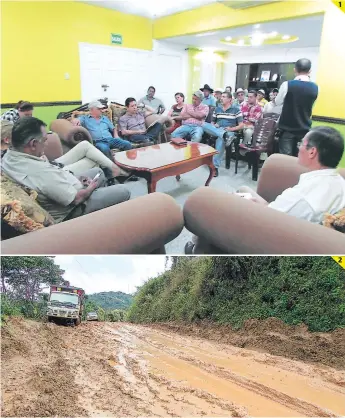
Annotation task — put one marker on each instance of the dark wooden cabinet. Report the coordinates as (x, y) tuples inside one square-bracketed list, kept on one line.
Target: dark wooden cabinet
[(249, 75), (242, 76)]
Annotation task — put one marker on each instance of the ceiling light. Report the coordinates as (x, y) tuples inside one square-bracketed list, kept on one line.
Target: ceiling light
[(257, 38), (240, 42), (286, 37), (206, 34), (228, 38), (256, 26)]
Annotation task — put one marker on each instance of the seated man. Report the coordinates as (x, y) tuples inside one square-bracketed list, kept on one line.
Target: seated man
[(102, 131), (79, 159), (252, 112), (155, 104), (22, 109), (218, 95), (132, 124), (193, 116), (227, 119), (59, 192), (241, 98), (261, 97), (319, 191), (271, 106), (208, 99)]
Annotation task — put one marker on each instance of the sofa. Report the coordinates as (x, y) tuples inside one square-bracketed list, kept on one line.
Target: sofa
[(234, 225), (139, 226), (71, 135)]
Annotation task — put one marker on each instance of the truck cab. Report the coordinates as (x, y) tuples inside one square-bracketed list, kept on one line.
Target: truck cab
[(65, 304)]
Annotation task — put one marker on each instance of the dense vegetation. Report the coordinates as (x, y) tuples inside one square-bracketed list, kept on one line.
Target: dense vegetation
[(111, 300), (111, 315), (24, 278), (22, 282), (230, 290)]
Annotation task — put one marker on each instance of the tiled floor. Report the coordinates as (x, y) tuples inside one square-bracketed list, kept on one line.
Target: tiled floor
[(227, 181)]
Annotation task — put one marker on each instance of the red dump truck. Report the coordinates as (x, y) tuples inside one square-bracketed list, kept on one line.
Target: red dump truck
[(65, 305)]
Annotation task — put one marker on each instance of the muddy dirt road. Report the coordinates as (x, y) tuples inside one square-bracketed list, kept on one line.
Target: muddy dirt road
[(110, 369)]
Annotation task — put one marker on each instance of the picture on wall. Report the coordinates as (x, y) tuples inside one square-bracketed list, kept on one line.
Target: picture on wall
[(265, 76)]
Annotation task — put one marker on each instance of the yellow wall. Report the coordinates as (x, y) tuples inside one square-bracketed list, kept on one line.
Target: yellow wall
[(217, 16), (331, 66), (39, 44)]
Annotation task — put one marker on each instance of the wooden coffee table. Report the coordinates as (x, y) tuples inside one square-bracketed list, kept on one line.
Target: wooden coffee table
[(158, 161)]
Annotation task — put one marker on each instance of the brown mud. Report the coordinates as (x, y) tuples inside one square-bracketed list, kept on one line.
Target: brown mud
[(117, 369)]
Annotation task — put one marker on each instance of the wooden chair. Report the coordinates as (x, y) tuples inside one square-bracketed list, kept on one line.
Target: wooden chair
[(263, 141), (276, 117), (238, 138)]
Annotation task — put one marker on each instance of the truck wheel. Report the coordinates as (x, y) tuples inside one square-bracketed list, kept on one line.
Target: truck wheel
[(77, 321), (49, 319)]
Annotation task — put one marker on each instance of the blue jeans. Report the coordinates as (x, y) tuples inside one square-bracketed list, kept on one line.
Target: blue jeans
[(105, 145), (220, 143), (194, 131)]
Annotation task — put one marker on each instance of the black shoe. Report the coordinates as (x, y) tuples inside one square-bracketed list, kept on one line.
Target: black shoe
[(216, 173), (122, 179), (188, 248)]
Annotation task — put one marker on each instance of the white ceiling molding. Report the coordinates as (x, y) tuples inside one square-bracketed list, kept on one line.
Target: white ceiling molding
[(307, 29)]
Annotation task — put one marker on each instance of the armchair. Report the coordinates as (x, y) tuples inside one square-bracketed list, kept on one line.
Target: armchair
[(257, 229), (114, 230)]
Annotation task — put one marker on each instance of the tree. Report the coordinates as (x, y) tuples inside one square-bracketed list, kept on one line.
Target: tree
[(25, 277)]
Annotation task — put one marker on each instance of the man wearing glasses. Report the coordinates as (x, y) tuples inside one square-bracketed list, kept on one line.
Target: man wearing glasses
[(240, 97)]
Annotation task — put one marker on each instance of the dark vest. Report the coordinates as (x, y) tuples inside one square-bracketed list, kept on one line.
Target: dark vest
[(298, 105)]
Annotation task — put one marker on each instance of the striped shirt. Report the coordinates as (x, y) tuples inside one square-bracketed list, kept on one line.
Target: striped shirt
[(11, 115), (229, 117)]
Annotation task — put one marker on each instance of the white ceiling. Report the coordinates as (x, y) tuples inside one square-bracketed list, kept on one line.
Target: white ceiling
[(307, 29), (150, 8)]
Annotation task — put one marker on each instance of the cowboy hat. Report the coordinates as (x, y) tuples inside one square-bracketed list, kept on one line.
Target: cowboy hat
[(206, 87)]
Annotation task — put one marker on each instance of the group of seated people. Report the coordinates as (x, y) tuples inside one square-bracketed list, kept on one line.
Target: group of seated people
[(80, 182), (186, 120)]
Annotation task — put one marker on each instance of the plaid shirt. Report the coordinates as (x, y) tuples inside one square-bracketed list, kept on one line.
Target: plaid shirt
[(11, 115), (251, 113), (191, 121)]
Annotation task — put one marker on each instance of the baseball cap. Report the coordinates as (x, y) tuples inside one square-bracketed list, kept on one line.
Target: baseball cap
[(262, 91), (95, 103), (239, 91), (199, 94)]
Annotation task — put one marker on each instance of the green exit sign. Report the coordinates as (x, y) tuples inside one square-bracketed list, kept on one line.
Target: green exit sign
[(116, 39)]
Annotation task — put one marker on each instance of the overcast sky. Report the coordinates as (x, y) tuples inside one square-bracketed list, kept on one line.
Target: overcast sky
[(110, 273)]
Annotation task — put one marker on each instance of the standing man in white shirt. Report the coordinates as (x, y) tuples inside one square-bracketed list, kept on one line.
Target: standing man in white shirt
[(297, 97)]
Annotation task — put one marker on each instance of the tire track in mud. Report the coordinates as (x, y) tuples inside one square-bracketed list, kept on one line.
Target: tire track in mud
[(165, 398), (299, 405), (116, 369)]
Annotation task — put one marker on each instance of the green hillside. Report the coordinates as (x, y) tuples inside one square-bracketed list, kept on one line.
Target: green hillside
[(231, 290), (111, 300)]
